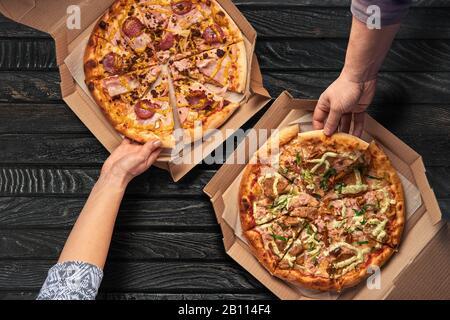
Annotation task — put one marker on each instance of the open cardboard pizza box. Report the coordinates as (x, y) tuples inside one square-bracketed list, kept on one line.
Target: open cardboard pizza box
[(52, 16), (418, 270)]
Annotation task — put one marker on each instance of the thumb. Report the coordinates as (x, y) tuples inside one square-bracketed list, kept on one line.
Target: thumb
[(149, 147)]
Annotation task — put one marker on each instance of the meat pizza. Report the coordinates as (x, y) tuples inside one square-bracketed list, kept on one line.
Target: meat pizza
[(134, 46), (318, 211)]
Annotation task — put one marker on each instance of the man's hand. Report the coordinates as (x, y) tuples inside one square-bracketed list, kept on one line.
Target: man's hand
[(130, 160), (340, 102)]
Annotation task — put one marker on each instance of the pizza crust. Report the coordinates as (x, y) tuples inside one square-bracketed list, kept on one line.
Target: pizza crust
[(309, 281), (383, 164), (241, 68), (264, 256), (339, 139), (353, 278)]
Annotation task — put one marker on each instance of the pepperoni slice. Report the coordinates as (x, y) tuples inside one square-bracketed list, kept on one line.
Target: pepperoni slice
[(132, 27), (182, 7), (213, 34), (144, 109), (112, 62), (167, 42)]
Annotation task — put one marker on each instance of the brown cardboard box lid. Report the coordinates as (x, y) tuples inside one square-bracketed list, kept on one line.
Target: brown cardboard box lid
[(421, 229)]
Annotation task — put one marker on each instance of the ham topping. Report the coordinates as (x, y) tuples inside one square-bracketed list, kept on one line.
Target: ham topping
[(118, 85), (183, 114)]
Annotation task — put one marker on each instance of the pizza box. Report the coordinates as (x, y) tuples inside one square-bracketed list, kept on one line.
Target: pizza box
[(55, 17), (419, 270)]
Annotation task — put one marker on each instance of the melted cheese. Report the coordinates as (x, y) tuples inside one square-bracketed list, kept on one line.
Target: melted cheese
[(379, 233), (350, 263), (355, 188), (323, 160)]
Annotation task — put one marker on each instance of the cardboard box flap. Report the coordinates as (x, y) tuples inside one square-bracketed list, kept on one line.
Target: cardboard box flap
[(56, 13), (15, 10), (432, 266), (428, 195)]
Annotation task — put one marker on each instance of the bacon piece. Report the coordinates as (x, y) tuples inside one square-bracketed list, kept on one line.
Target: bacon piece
[(181, 7), (167, 42), (213, 34), (112, 63), (198, 99)]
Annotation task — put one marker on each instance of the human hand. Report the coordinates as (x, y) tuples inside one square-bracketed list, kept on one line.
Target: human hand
[(343, 100), (130, 160)]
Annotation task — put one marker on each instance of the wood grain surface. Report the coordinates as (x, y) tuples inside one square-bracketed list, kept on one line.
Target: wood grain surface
[(167, 244)]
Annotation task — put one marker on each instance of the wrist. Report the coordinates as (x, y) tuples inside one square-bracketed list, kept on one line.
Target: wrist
[(358, 75), (116, 181)]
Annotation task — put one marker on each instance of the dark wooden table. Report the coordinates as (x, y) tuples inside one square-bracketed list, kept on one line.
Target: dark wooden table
[(167, 243)]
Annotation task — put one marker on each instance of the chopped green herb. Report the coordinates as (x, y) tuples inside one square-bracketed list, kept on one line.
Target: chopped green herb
[(338, 187), (307, 176), (326, 176), (298, 159), (362, 242), (284, 170), (317, 196), (281, 203), (363, 221), (373, 177), (359, 212), (277, 237)]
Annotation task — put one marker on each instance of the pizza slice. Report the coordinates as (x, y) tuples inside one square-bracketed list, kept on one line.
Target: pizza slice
[(125, 37), (305, 263), (377, 203), (224, 67), (186, 13), (200, 107), (216, 31), (316, 162), (348, 263), (272, 240), (264, 195)]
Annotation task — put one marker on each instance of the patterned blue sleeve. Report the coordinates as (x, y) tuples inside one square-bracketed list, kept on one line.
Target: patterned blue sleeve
[(72, 280)]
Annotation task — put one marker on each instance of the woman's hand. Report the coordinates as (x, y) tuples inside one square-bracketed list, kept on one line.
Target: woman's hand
[(343, 100), (130, 160)]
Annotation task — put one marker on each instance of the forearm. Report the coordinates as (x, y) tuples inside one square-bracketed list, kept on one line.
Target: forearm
[(366, 50), (91, 235)]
